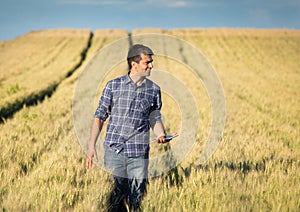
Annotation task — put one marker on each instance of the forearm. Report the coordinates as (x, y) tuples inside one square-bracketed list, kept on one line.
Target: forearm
[(159, 129), (95, 131)]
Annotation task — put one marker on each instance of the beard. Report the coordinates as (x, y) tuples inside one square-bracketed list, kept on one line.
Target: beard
[(144, 73)]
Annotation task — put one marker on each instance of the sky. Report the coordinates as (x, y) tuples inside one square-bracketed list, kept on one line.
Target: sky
[(18, 17)]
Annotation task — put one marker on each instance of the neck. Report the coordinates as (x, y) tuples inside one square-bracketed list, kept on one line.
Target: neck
[(136, 78)]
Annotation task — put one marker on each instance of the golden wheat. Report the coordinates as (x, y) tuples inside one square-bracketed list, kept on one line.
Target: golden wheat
[(257, 164)]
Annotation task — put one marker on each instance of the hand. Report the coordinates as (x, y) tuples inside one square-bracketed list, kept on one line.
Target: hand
[(162, 138), (90, 154)]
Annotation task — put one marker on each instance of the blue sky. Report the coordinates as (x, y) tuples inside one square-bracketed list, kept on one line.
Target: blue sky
[(18, 17)]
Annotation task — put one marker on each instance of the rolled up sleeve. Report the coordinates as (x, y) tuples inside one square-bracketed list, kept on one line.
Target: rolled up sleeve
[(104, 107), (155, 115)]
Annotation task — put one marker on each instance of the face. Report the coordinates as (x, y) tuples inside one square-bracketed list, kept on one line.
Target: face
[(143, 68)]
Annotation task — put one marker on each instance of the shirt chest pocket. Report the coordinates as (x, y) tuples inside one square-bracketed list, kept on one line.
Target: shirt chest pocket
[(144, 106)]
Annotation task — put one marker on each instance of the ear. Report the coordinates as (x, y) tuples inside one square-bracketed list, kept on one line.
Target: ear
[(133, 63)]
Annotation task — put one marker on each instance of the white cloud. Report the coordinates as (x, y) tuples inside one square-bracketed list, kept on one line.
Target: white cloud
[(273, 3), (178, 4), (172, 3), (143, 3), (260, 15), (92, 2)]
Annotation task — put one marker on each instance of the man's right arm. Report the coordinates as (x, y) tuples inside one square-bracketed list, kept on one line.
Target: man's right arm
[(102, 112), (95, 131)]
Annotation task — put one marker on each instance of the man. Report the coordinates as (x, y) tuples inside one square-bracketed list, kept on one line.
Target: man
[(132, 103)]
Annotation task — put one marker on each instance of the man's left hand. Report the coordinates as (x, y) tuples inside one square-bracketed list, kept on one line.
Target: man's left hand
[(161, 139)]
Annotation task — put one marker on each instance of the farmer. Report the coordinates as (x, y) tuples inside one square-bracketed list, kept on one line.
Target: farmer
[(132, 102)]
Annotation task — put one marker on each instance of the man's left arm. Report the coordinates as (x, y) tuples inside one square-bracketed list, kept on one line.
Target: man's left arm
[(156, 121), (159, 131)]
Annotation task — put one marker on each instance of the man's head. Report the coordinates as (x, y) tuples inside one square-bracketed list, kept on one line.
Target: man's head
[(140, 60)]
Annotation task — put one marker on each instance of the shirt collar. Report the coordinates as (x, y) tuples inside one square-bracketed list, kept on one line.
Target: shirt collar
[(127, 80)]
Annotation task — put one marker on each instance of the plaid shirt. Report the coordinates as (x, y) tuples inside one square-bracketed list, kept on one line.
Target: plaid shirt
[(132, 110)]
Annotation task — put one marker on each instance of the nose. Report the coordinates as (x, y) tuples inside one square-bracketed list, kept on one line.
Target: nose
[(150, 65)]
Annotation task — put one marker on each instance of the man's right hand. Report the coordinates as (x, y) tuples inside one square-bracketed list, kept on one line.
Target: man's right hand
[(89, 156), (96, 129)]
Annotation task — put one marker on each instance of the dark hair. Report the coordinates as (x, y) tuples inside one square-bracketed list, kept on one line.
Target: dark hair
[(135, 52), (136, 59)]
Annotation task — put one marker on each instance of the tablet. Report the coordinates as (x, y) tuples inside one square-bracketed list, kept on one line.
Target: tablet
[(169, 137)]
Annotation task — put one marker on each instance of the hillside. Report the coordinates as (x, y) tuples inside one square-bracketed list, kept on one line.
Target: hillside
[(256, 166)]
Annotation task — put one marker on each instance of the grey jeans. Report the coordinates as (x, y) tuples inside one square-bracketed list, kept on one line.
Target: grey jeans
[(130, 175)]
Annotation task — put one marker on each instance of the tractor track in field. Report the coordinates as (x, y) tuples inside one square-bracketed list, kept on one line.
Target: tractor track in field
[(178, 49), (178, 88), (34, 98)]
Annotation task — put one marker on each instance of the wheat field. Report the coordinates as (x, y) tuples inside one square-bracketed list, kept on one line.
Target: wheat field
[(255, 168)]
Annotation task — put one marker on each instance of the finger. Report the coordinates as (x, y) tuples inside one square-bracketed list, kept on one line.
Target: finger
[(88, 163), (161, 140)]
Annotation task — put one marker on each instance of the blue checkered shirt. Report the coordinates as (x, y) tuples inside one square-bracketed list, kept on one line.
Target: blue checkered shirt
[(131, 110)]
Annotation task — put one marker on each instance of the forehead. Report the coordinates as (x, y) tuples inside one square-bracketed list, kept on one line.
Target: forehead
[(146, 57)]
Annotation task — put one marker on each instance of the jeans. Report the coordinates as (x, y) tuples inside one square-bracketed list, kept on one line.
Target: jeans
[(130, 175)]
